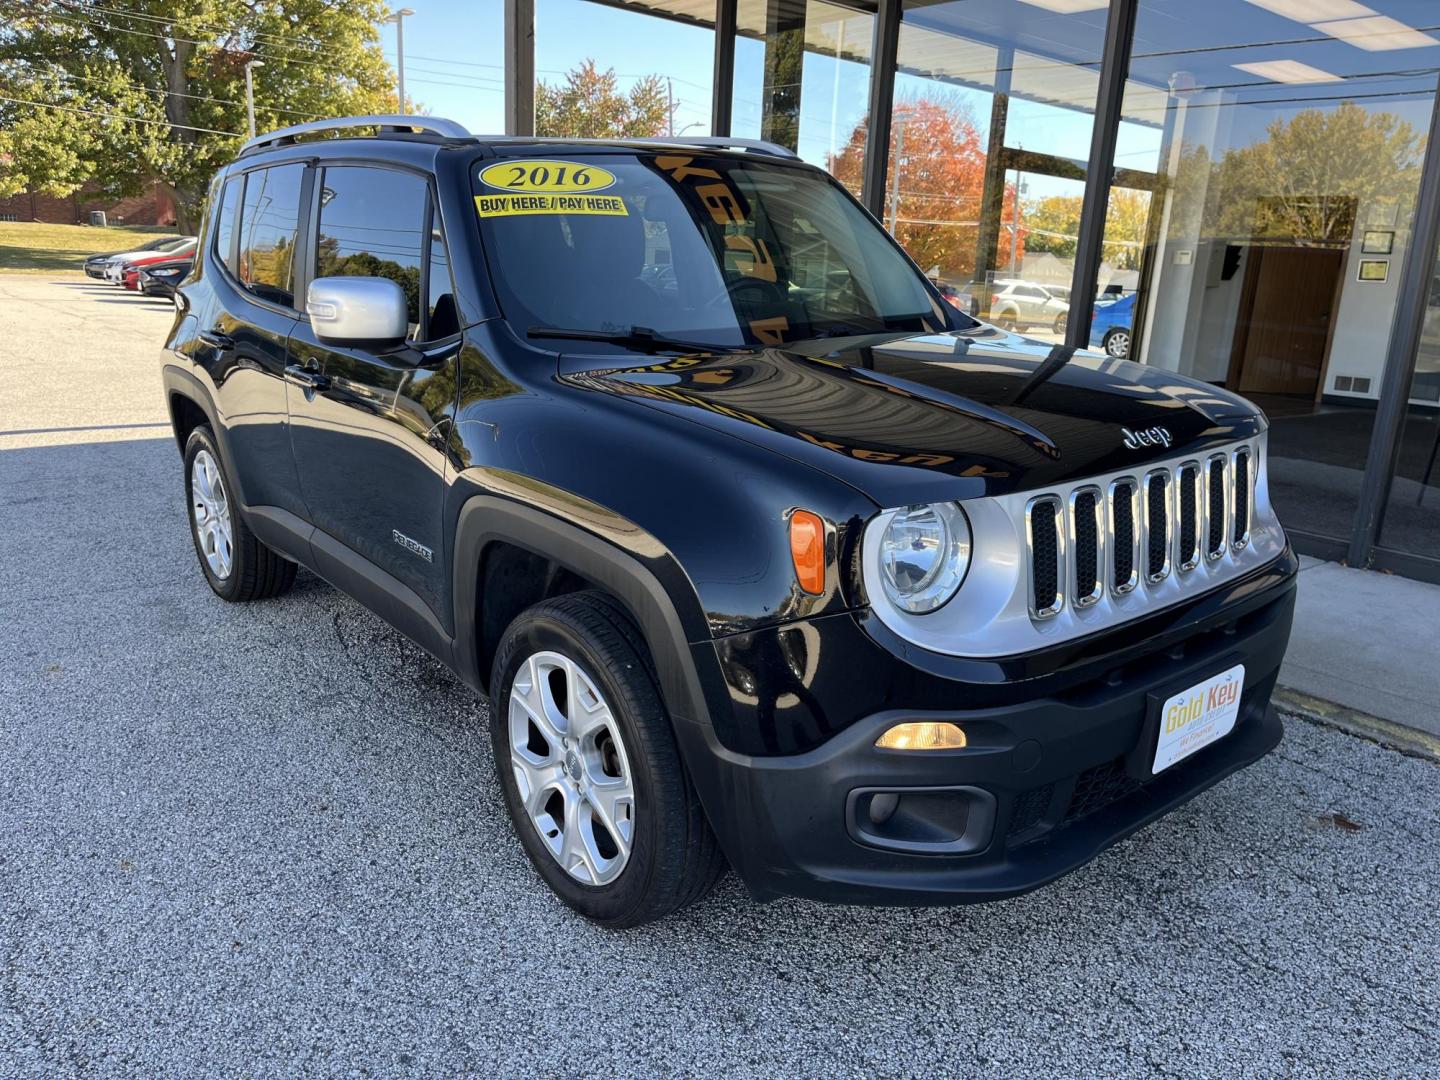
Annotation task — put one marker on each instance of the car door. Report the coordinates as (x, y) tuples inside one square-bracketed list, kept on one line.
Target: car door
[(368, 428), (244, 334)]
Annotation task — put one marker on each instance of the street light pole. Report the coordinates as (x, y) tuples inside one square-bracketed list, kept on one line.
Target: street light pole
[(250, 95), (398, 18)]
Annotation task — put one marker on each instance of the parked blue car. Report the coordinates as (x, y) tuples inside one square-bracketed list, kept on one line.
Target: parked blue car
[(1111, 327)]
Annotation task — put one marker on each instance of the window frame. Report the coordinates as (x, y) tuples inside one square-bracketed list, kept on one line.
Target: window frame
[(301, 277), (433, 214)]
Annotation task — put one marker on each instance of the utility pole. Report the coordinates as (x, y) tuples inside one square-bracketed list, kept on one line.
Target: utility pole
[(398, 18), (669, 106), (250, 95), (900, 116)]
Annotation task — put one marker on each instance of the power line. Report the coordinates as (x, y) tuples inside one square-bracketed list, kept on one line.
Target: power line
[(168, 24), (117, 116), (173, 93)]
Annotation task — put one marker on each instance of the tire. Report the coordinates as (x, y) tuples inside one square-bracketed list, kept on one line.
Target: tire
[(1117, 343), (1061, 321), (252, 571), (585, 641), (1007, 323)]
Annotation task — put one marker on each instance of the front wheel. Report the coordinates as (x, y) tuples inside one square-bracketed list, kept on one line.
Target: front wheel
[(1117, 344), (589, 768)]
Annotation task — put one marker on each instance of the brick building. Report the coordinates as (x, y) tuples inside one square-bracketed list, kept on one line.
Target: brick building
[(152, 207)]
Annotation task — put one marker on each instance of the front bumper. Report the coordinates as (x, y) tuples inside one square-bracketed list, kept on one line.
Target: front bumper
[(1059, 775)]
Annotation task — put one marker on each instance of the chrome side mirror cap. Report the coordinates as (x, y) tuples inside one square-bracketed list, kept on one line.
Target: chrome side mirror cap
[(368, 311)]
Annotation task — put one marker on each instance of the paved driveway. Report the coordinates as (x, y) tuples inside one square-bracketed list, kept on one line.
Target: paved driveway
[(266, 840)]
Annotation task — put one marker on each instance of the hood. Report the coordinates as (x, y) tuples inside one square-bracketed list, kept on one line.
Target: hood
[(942, 416)]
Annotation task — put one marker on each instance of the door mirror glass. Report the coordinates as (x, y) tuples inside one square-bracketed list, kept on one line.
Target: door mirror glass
[(358, 311)]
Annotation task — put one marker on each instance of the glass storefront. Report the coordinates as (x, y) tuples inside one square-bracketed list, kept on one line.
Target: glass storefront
[(1411, 523), (802, 79), (1288, 168), (1267, 164), (994, 107)]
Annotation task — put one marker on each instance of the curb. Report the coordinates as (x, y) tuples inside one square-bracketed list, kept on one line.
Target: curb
[(1387, 733)]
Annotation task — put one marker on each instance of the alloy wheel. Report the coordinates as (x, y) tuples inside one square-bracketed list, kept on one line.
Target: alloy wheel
[(211, 509), (1118, 344), (570, 766)]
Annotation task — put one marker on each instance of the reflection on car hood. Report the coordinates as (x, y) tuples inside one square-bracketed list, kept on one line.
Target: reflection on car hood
[(956, 415)]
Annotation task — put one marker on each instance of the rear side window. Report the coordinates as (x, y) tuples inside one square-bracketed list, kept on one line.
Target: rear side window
[(372, 224), (225, 221), (269, 221)]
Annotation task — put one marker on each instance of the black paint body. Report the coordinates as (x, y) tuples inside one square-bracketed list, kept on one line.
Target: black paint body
[(667, 480)]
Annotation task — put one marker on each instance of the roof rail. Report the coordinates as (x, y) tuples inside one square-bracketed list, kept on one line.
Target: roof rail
[(724, 142), (434, 124)]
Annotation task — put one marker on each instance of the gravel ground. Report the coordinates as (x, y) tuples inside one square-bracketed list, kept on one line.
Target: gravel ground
[(267, 840)]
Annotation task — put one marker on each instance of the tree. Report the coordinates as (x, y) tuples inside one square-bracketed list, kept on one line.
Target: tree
[(157, 92), (1054, 225), (589, 105), (936, 185), (1305, 180)]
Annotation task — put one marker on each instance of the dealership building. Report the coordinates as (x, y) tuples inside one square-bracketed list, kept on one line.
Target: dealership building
[(1237, 190)]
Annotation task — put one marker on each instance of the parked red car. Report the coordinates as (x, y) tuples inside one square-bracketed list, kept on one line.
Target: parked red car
[(129, 273)]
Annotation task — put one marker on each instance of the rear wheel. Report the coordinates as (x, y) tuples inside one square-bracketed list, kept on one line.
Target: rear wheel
[(237, 565), (1006, 323), (1117, 343), (588, 764)]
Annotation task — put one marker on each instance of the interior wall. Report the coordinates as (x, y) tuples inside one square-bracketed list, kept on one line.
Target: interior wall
[(1366, 308)]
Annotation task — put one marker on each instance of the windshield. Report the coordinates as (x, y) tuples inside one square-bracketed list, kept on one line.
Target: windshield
[(716, 250)]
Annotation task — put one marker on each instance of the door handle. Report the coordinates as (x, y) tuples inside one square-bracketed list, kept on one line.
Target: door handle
[(308, 378), (217, 340)]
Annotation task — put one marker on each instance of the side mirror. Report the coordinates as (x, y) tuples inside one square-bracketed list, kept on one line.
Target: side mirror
[(360, 311)]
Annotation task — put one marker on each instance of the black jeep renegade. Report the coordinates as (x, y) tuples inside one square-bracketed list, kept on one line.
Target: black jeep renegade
[(763, 554)]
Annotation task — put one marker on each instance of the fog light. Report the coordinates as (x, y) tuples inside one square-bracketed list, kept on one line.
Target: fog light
[(923, 736)]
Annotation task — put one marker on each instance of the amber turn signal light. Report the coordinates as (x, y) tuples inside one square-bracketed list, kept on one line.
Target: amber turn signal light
[(807, 550), (923, 736)]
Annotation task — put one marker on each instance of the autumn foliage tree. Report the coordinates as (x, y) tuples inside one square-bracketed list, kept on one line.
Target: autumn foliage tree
[(590, 105), (935, 188)]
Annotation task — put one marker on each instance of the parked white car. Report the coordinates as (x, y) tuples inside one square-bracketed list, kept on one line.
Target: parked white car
[(1019, 305)]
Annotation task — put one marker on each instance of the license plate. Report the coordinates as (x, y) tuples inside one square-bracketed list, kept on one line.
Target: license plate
[(1196, 717)]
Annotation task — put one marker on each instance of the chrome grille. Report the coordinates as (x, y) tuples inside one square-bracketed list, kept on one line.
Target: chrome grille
[(1137, 531), (1240, 470), (1044, 525), (1187, 509), (1217, 498), (1157, 525), (1125, 535), (1087, 527)]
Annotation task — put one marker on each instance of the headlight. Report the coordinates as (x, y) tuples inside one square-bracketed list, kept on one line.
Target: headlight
[(924, 553)]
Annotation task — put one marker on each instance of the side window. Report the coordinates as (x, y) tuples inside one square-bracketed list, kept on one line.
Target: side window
[(225, 221), (268, 223), (372, 224)]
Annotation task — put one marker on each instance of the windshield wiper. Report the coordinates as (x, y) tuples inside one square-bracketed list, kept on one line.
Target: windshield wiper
[(640, 338)]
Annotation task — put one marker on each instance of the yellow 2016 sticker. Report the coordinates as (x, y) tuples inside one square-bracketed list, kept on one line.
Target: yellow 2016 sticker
[(517, 205), (549, 176)]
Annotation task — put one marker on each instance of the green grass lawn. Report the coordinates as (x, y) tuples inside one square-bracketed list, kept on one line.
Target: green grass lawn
[(29, 247)]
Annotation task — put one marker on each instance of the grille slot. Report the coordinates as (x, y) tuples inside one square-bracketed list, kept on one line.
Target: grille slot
[(1187, 510), (1240, 529), (1044, 526), (1124, 529), (1216, 501), (1087, 525), (1157, 526)]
